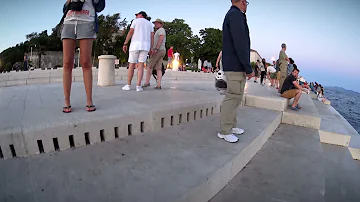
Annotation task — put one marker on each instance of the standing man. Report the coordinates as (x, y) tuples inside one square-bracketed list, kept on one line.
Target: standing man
[(236, 65), (170, 56), (142, 38), (283, 62), (158, 53)]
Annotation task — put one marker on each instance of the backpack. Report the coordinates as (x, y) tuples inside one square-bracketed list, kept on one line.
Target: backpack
[(154, 73)]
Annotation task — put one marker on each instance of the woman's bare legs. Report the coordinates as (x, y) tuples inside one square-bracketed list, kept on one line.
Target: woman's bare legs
[(85, 60), (68, 62)]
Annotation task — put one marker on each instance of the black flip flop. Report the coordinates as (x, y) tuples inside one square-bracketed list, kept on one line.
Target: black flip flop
[(67, 110), (90, 108)]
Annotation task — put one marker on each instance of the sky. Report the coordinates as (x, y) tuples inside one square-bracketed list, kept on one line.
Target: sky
[(322, 36)]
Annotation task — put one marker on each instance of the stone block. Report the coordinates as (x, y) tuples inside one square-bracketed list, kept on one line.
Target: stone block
[(277, 104), (334, 138), (56, 80), (78, 79), (354, 147), (3, 84), (297, 119), (12, 139), (38, 81), (16, 82)]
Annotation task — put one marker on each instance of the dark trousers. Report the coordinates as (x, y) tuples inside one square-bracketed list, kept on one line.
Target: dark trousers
[(263, 74)]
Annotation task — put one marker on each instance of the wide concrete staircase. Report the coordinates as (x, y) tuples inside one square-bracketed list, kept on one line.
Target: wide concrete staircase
[(171, 153)]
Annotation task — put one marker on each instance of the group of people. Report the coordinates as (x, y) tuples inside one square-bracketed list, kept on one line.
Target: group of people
[(318, 89)]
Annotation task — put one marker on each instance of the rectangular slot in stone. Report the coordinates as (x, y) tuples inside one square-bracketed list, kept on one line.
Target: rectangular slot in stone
[(102, 137), (129, 129), (212, 110), (162, 122), (201, 114), (116, 131), (188, 116), (142, 127), (56, 144), (1, 154), (87, 138), (12, 149), (194, 115), (172, 120), (41, 146), (180, 118), (207, 111), (71, 141)]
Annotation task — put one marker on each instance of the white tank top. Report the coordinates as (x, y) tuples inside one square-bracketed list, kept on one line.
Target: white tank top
[(86, 15)]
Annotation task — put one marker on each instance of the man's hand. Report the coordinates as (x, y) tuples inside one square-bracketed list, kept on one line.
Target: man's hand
[(249, 76), (125, 48)]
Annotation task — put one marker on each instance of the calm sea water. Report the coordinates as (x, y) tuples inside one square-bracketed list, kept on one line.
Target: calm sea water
[(346, 102)]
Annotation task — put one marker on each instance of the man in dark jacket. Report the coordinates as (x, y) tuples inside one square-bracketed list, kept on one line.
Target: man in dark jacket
[(236, 65)]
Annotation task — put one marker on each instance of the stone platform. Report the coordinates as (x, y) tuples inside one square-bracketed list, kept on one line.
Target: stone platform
[(142, 146)]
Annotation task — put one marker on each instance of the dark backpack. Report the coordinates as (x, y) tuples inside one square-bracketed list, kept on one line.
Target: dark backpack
[(154, 73)]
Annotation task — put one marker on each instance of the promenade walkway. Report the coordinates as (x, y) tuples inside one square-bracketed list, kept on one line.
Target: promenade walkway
[(161, 146)]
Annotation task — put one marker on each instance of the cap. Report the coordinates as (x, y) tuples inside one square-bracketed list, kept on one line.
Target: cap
[(283, 45), (142, 13), (159, 20)]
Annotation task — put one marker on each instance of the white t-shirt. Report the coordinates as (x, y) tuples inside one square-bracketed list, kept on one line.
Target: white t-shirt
[(271, 69), (141, 40), (177, 56), (86, 15)]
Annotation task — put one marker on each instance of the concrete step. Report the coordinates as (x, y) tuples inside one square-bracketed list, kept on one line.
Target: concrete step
[(264, 97), (342, 175), (35, 123), (289, 167), (308, 116), (182, 163)]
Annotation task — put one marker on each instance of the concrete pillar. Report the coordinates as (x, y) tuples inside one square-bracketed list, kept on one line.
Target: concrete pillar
[(106, 73)]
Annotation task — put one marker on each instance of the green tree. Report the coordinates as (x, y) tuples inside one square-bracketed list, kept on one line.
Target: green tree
[(210, 44)]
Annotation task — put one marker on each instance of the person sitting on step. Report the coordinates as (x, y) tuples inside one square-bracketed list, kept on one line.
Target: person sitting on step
[(292, 89)]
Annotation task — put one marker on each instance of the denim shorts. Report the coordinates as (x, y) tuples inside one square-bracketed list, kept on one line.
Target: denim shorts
[(77, 30)]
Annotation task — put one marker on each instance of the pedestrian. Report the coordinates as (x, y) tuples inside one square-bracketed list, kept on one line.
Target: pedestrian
[(272, 75), (283, 62), (290, 67), (158, 52), (80, 24), (263, 72), (256, 70), (277, 79), (236, 65), (142, 38), (170, 54)]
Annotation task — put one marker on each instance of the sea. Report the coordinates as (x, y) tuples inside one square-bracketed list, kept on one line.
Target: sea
[(346, 102)]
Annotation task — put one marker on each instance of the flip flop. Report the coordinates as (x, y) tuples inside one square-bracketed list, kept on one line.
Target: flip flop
[(298, 106), (67, 109), (90, 108), (293, 108)]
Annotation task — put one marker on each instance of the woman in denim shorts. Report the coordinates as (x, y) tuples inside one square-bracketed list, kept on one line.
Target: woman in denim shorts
[(82, 26)]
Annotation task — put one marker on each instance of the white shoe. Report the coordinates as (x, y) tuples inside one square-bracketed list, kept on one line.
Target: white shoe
[(228, 138), (139, 88), (126, 87), (238, 131)]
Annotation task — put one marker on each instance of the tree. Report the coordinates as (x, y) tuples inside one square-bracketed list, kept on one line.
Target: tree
[(210, 44), (179, 35)]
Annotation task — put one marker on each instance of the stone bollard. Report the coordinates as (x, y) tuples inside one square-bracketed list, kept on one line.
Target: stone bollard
[(106, 73)]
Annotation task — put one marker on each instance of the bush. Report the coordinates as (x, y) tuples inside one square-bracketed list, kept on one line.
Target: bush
[(8, 67)]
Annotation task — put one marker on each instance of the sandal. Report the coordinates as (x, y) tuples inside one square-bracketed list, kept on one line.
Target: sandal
[(298, 106), (294, 108), (67, 110), (90, 108)]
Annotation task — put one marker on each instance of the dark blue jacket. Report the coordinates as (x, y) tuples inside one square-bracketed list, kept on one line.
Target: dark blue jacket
[(236, 42), (99, 6)]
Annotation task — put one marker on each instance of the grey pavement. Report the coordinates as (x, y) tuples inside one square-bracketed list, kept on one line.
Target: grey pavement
[(289, 167), (163, 166)]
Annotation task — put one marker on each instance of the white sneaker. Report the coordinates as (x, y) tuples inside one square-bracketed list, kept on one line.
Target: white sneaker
[(139, 88), (126, 87), (228, 138), (238, 131)]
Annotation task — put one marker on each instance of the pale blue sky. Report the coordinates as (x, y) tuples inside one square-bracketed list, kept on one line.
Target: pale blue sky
[(322, 36)]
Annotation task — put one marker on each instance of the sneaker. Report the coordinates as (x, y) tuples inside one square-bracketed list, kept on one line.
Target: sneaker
[(139, 88), (238, 131), (126, 87), (146, 85), (228, 138)]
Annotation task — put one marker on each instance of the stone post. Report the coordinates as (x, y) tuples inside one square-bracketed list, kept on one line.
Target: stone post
[(106, 73)]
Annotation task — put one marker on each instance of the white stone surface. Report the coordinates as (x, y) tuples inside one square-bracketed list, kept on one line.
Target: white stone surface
[(354, 147), (106, 73)]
